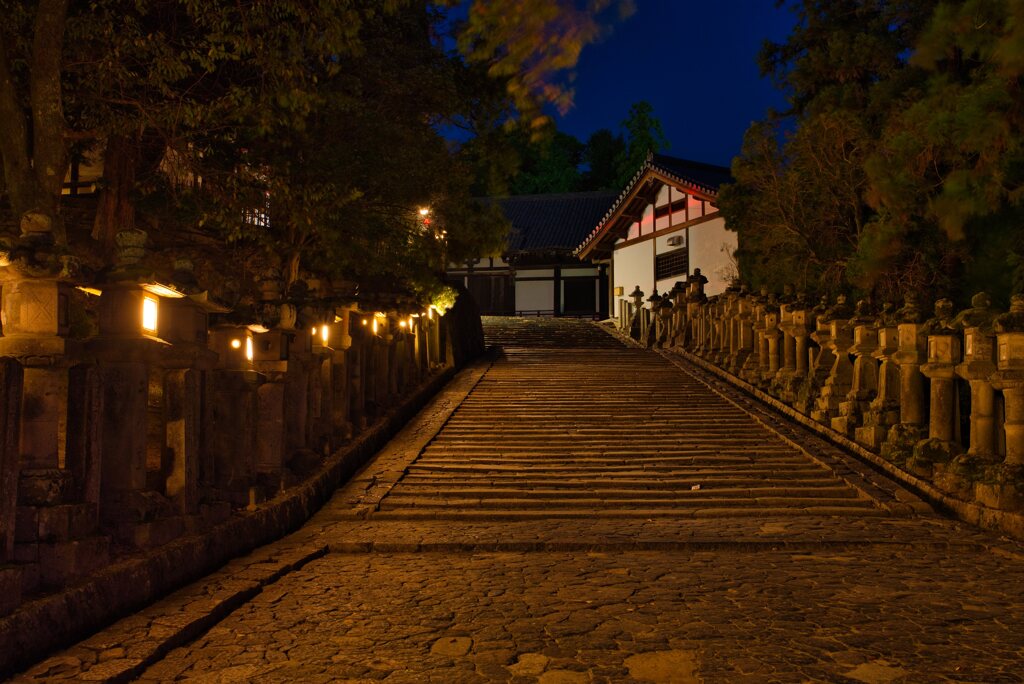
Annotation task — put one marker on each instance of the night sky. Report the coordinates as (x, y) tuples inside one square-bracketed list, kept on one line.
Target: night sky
[(696, 62)]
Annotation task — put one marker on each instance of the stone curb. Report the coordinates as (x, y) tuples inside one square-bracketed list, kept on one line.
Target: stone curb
[(43, 625), (1011, 524), (125, 650)]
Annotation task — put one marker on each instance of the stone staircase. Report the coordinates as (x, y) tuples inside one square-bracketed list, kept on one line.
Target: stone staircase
[(569, 423)]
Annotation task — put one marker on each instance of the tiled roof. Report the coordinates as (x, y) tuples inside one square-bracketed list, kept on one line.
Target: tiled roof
[(706, 178), (553, 222)]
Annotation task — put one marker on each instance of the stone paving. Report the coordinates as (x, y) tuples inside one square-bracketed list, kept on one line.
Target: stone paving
[(539, 522)]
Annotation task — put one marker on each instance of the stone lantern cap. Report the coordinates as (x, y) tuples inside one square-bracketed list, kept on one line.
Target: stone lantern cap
[(654, 298), (979, 315), (637, 293), (1009, 329)]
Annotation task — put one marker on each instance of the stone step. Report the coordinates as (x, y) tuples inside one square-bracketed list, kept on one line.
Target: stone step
[(643, 484), (410, 500), (623, 513), (705, 492)]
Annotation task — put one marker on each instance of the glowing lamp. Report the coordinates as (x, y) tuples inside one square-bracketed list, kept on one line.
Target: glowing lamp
[(325, 333), (236, 344), (424, 211), (312, 331), (365, 322), (248, 348), (150, 310), (375, 326)]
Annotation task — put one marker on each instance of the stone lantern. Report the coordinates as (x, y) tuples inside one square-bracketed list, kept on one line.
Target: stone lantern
[(648, 323), (1009, 377), (884, 410), (977, 367), (911, 353), (943, 354), (864, 382), (836, 343)]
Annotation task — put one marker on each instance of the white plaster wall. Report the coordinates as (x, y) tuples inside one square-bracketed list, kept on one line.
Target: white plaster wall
[(535, 295), (711, 246), (634, 265)]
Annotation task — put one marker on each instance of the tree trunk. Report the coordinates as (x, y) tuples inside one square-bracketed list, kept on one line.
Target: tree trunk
[(116, 212), (34, 180)]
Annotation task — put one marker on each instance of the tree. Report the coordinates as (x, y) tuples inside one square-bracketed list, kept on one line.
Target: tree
[(643, 135), (203, 110), (803, 206), (602, 154), (550, 164)]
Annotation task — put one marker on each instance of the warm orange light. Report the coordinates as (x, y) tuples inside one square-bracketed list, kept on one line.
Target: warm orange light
[(312, 331), (365, 321), (236, 344), (375, 326), (424, 211), (401, 324), (325, 333), (150, 309), (248, 348)]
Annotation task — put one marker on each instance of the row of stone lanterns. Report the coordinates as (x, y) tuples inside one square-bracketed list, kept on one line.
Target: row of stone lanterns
[(889, 380), (174, 409)]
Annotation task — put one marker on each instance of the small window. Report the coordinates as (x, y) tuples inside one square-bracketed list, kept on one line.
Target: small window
[(670, 264)]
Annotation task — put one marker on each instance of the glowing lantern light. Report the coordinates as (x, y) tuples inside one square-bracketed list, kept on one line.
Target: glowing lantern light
[(150, 309), (324, 334), (401, 324), (424, 211), (236, 344), (248, 348), (375, 327)]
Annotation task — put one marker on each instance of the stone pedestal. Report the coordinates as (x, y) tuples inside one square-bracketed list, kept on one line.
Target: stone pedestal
[(1009, 378), (232, 412), (840, 377), (884, 410), (941, 445), (864, 383), (10, 419), (772, 336), (272, 360), (911, 354), (979, 364)]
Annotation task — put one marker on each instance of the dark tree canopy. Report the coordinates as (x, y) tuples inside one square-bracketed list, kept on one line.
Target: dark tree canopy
[(897, 165), (304, 136)]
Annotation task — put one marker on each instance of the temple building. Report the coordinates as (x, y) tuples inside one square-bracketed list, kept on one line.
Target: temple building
[(537, 274), (664, 225)]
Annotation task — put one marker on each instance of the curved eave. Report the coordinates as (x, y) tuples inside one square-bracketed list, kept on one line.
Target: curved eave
[(601, 239)]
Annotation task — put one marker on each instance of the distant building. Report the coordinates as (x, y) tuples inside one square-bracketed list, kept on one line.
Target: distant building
[(538, 275), (663, 225)]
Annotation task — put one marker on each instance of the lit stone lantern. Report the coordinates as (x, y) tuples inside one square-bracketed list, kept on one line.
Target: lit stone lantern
[(235, 346)]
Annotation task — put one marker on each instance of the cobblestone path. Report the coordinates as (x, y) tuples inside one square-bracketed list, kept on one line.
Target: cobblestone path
[(583, 511)]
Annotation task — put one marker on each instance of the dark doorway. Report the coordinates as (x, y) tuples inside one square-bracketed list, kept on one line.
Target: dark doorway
[(580, 297)]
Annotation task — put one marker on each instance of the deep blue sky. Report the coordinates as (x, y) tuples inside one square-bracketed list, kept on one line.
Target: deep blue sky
[(694, 61)]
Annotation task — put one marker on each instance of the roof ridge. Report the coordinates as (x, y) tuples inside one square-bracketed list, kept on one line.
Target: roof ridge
[(693, 162)]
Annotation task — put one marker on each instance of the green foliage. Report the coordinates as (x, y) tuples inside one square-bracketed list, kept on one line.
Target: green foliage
[(895, 174), (602, 155), (643, 135), (319, 122)]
